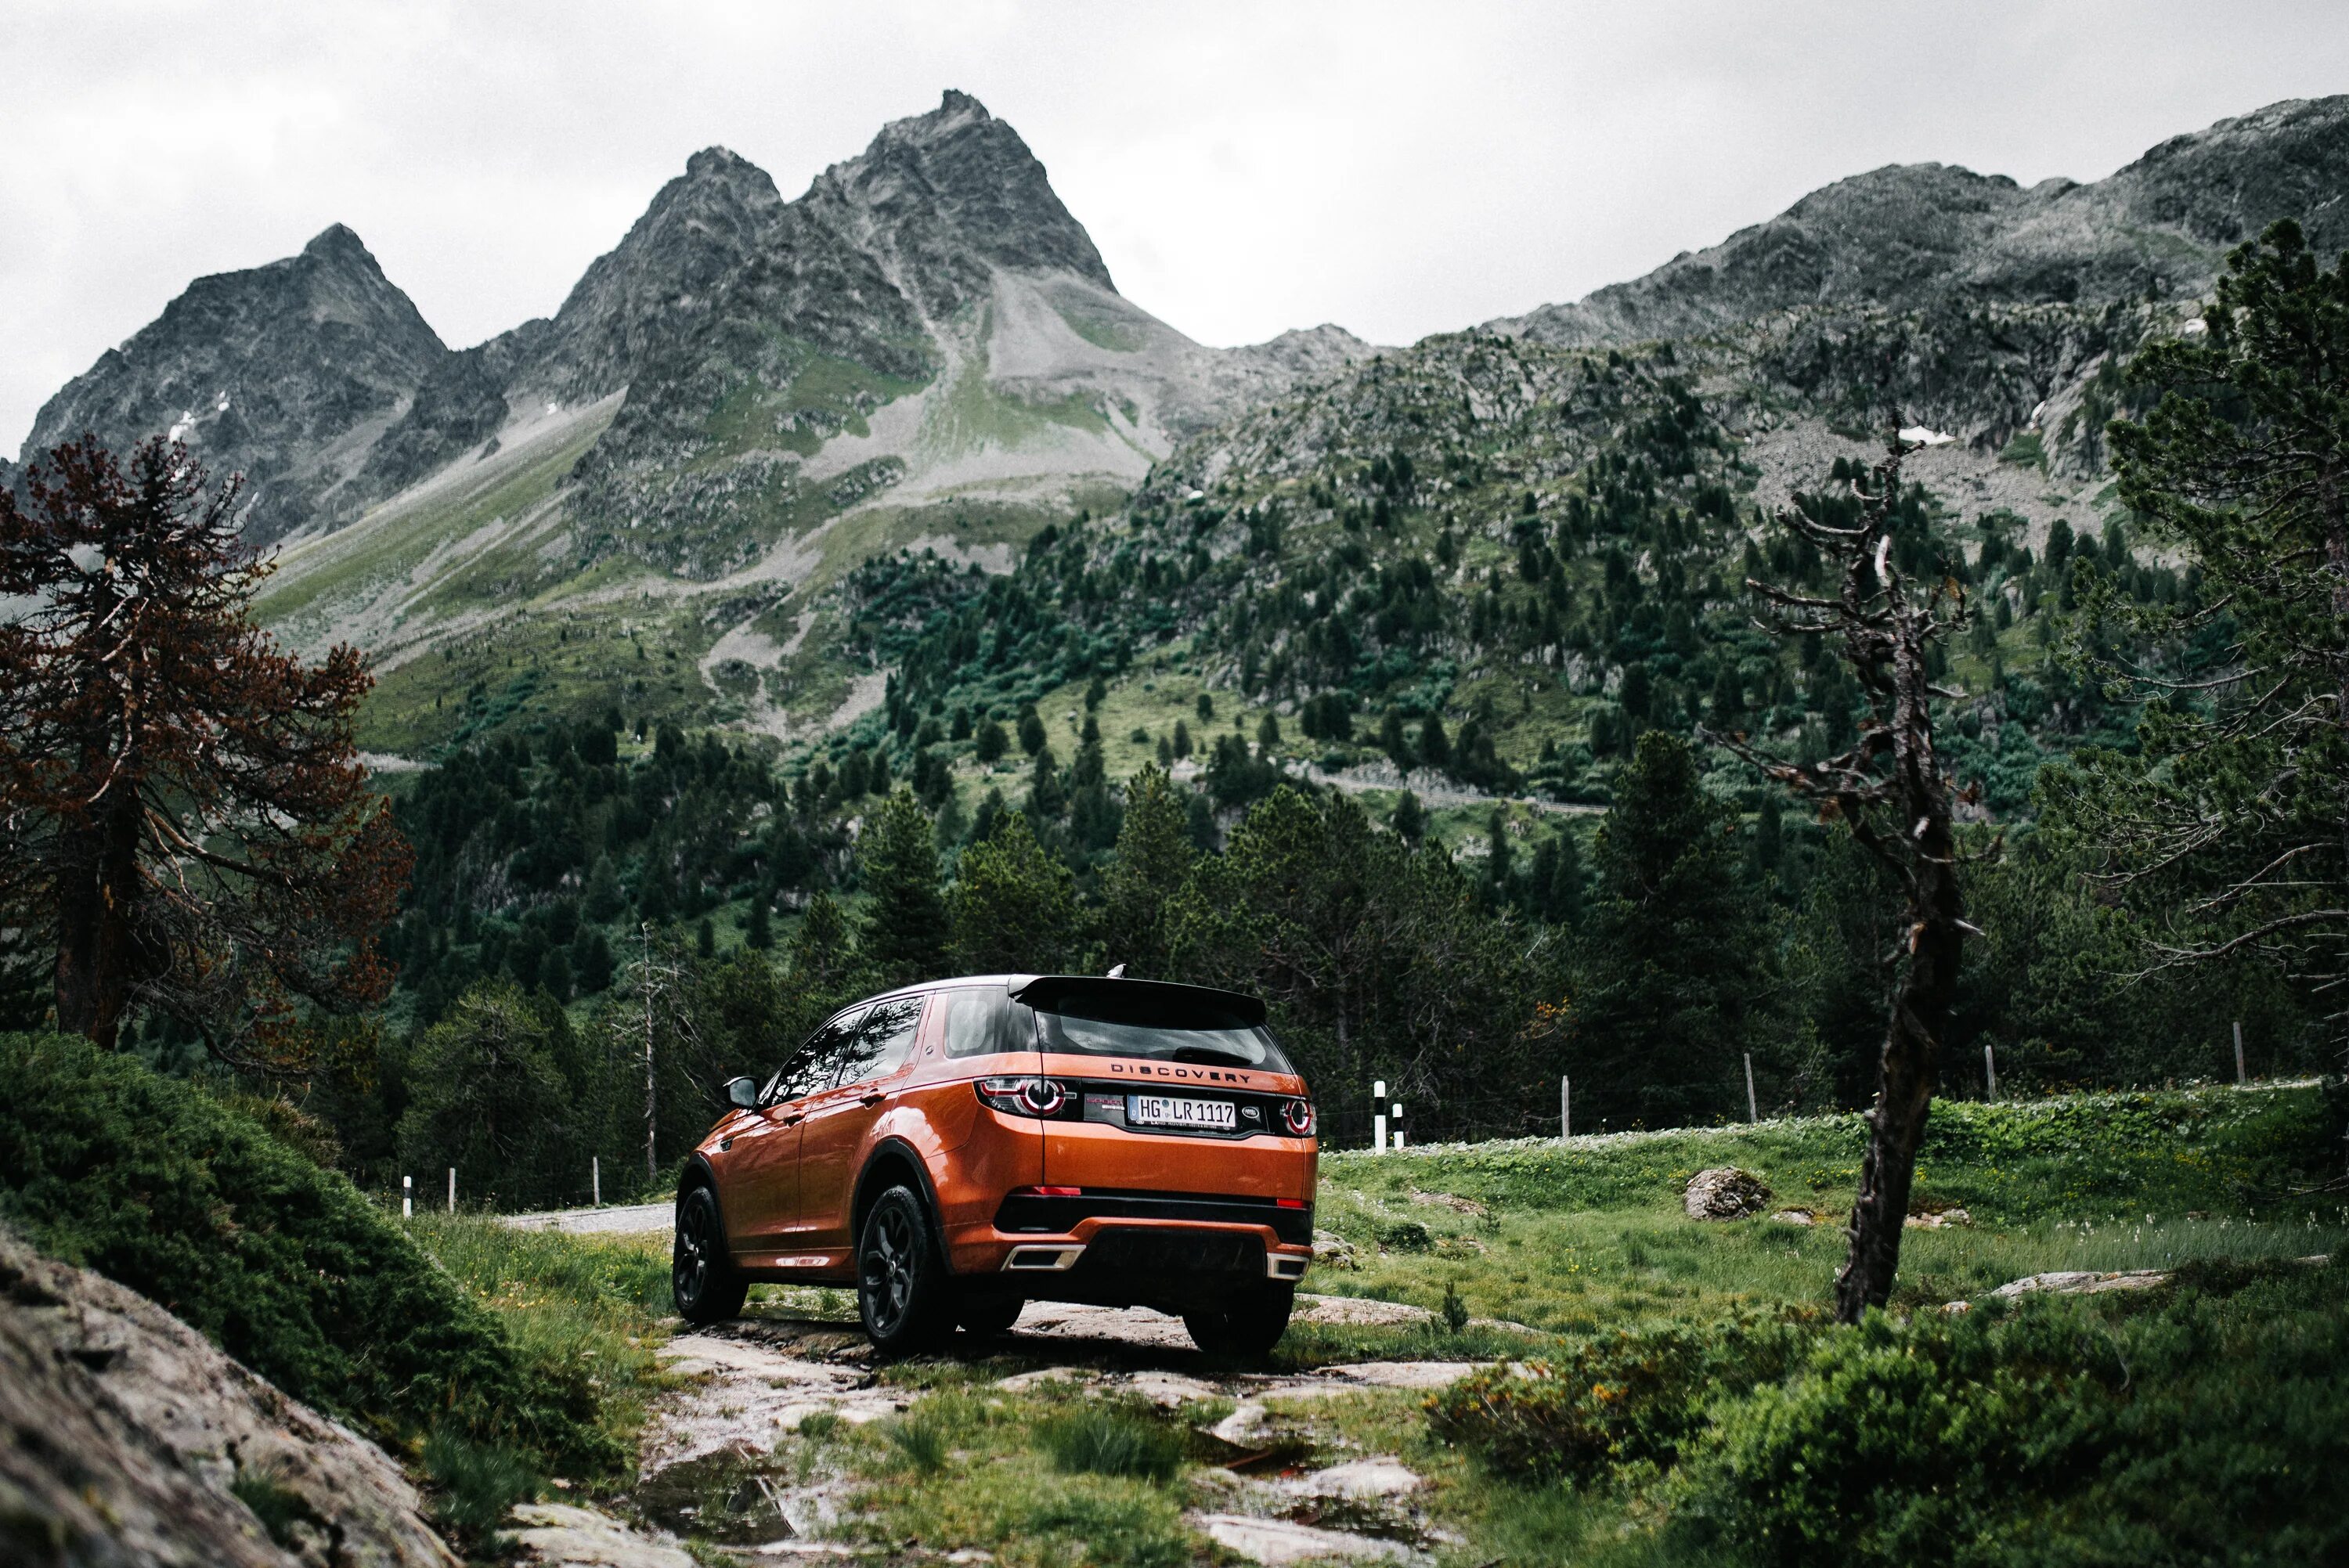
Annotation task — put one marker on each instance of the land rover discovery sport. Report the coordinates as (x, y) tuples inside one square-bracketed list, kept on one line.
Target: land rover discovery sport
[(958, 1149)]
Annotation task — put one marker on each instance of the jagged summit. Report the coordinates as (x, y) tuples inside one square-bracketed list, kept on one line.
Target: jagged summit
[(1906, 237), (949, 194), (274, 370), (699, 230)]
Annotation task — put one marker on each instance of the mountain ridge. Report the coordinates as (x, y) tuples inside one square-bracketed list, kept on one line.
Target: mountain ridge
[(1897, 235)]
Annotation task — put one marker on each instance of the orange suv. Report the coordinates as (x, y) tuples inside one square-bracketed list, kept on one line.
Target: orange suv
[(957, 1150)]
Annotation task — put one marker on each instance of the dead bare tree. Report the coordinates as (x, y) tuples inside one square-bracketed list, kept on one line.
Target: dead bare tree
[(1894, 794)]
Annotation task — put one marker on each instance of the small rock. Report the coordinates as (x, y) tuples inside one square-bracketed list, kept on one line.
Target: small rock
[(1453, 1201), (1276, 1542), (1170, 1391), (1403, 1374), (1357, 1309), (1795, 1217), (969, 1554), (1246, 1428), (1021, 1382), (1358, 1481), (1938, 1219), (1334, 1252), (558, 1535), (1724, 1194), (2079, 1281)]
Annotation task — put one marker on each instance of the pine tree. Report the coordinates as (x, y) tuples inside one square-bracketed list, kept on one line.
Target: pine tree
[(905, 934), (182, 812), (1434, 748), (1153, 857), (821, 955), (1396, 742), (1675, 956), (1048, 798), (603, 900), (1410, 821), (1013, 906), (2225, 827)]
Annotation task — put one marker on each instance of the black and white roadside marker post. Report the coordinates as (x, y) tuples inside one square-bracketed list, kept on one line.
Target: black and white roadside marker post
[(1378, 1118), (407, 1197), (1565, 1109), (1752, 1110), (453, 1188)]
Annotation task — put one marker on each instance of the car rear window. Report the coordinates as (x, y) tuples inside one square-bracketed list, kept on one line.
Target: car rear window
[(1227, 1044)]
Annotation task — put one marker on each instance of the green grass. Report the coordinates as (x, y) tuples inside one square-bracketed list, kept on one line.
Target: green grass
[(398, 538), (597, 1304), (1576, 1237)]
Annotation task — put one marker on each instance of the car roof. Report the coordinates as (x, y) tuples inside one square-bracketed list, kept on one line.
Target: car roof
[(1048, 991)]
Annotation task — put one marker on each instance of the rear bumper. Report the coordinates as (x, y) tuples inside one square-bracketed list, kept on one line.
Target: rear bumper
[(1288, 1221), (1129, 1259)]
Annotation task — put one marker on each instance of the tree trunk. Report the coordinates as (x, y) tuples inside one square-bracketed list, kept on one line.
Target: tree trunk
[(1913, 1051), (96, 899)]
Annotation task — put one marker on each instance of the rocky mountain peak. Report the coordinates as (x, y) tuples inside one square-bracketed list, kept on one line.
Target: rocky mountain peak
[(945, 196), (260, 372), (700, 227)]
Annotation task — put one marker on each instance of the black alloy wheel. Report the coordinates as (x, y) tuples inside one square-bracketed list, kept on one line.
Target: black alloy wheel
[(1246, 1325), (702, 1279), (900, 1277)]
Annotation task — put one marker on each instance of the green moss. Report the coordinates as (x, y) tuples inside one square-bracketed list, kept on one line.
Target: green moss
[(153, 1182)]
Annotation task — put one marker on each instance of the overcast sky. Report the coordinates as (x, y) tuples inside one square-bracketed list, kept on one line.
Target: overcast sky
[(1400, 169)]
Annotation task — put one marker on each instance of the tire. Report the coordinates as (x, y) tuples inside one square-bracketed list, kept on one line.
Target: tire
[(989, 1316), (1244, 1326), (702, 1279), (901, 1279)]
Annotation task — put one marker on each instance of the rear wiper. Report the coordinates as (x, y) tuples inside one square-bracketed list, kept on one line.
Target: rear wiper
[(1209, 1054)]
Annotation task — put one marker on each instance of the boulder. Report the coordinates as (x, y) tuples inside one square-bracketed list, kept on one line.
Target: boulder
[(126, 1438), (1725, 1193)]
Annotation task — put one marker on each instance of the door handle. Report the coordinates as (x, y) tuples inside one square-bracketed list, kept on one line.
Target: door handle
[(873, 1099), (791, 1120)]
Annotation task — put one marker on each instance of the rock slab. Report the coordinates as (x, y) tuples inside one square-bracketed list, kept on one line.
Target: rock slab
[(126, 1438)]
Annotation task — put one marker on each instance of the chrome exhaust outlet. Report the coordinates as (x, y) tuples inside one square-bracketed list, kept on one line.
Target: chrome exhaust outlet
[(1043, 1260)]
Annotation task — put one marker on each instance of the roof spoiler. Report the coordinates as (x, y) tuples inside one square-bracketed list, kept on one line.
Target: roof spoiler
[(1139, 1000)]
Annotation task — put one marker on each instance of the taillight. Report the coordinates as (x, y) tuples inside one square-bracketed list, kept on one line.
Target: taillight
[(1039, 1097), (1297, 1118)]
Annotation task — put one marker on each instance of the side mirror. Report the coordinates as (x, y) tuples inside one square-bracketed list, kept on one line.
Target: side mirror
[(743, 1092)]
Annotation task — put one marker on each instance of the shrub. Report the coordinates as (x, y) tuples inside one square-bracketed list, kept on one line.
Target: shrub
[(1639, 1396), (1093, 1440), (2203, 1428), (158, 1185)]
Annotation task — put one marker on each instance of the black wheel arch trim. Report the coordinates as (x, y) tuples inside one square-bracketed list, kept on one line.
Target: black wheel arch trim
[(897, 1150), (699, 1173)]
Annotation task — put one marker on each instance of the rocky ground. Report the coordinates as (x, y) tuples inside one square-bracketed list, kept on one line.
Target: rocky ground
[(755, 1384)]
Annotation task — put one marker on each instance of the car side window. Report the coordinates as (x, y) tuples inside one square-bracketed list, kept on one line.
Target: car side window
[(816, 1064), (982, 1021), (884, 1041)]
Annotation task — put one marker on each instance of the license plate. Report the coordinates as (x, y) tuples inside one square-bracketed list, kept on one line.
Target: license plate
[(1161, 1110)]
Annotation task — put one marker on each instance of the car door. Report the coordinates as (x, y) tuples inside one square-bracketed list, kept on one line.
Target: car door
[(839, 1118), (760, 1174)]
